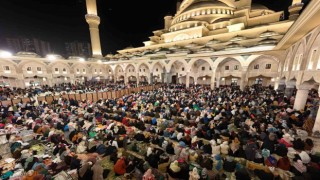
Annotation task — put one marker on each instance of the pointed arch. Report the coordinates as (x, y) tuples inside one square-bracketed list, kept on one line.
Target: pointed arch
[(183, 62), (13, 68), (298, 56)]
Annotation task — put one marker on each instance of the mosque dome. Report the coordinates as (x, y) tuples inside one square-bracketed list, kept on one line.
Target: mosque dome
[(207, 11), (27, 54), (205, 3)]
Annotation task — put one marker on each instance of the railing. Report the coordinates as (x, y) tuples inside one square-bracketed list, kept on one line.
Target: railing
[(93, 96)]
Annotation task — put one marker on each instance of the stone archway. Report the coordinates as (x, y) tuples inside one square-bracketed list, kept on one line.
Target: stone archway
[(177, 71), (202, 72), (132, 79), (159, 72), (229, 72)]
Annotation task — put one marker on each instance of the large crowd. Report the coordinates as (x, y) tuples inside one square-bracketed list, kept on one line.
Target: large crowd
[(171, 132), (7, 93)]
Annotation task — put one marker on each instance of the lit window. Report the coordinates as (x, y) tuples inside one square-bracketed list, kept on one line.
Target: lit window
[(256, 66), (226, 68), (236, 67), (313, 59), (203, 68), (299, 62), (268, 66)]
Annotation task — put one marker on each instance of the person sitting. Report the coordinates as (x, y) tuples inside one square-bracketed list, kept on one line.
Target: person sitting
[(120, 166)]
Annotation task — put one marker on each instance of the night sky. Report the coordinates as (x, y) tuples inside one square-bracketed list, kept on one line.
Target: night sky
[(123, 23)]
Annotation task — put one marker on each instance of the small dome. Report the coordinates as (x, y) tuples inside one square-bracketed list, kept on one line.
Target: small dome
[(27, 54), (258, 7), (181, 50), (237, 38), (174, 47), (268, 41), (268, 34), (213, 41), (233, 46), (162, 50), (192, 45)]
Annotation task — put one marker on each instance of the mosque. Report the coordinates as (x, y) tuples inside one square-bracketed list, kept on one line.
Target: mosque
[(209, 42)]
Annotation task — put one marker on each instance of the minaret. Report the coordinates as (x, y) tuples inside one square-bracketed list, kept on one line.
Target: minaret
[(93, 20), (295, 9)]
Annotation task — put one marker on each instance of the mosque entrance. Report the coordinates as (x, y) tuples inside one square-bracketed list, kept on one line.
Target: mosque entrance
[(174, 79)]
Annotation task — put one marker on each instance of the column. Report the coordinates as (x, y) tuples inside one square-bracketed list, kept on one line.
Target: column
[(276, 83), (151, 78), (126, 80), (163, 76), (138, 79), (316, 126), (167, 77), (301, 99), (21, 83), (213, 77), (243, 81), (187, 80), (49, 81), (301, 96), (218, 82)]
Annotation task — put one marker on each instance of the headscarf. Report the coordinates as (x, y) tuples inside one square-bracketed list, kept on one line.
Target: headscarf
[(148, 175), (174, 166), (149, 151), (194, 175)]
